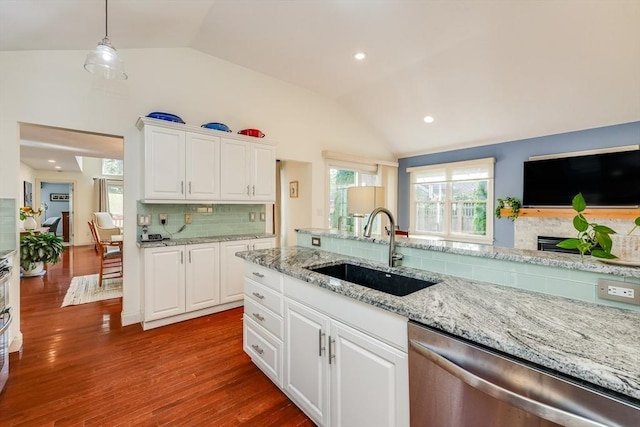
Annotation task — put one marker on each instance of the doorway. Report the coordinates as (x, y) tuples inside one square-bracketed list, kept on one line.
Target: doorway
[(56, 200)]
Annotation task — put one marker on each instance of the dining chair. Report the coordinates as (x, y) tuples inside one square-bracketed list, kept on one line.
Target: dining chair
[(110, 256)]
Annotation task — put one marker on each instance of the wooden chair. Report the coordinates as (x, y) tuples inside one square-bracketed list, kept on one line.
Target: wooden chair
[(110, 256)]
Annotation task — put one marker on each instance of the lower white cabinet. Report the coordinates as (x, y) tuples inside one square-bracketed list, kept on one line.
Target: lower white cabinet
[(181, 279), (232, 267), (344, 363)]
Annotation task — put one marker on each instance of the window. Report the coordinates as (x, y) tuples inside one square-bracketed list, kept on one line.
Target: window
[(452, 200), (112, 167), (342, 177), (115, 201)]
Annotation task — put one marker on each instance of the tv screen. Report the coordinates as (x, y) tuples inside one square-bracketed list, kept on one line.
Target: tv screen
[(608, 179)]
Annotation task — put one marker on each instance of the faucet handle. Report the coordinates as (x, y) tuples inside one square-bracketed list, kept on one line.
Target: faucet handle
[(396, 259)]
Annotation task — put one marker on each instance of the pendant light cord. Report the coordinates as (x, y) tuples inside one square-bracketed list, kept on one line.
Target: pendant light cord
[(106, 20)]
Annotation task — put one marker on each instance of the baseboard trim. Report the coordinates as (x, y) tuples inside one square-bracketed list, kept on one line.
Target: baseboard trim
[(146, 325)]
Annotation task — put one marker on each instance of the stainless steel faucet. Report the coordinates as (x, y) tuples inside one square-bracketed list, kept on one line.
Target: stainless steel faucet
[(395, 259)]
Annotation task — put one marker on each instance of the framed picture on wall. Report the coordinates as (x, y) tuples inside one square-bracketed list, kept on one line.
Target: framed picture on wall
[(59, 197), (293, 189)]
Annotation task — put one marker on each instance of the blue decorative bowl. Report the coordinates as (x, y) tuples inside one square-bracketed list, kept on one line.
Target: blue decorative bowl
[(165, 116), (217, 126)]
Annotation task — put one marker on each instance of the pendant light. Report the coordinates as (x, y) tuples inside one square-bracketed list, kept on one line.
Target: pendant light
[(104, 60)]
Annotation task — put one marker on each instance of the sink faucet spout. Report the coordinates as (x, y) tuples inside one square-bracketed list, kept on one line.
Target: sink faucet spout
[(395, 259)]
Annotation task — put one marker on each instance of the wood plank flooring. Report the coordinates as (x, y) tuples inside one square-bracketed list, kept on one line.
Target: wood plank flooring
[(80, 367)]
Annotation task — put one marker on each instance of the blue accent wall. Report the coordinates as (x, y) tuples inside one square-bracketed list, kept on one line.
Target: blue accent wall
[(510, 157)]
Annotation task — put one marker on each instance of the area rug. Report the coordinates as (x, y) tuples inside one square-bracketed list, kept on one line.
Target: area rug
[(84, 289)]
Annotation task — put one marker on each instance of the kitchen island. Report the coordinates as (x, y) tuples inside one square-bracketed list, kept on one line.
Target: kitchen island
[(585, 341)]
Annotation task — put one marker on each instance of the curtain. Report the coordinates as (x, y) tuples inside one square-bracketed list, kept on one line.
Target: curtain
[(101, 196)]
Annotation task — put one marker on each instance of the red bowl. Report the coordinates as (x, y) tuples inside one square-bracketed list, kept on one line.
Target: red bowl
[(252, 132)]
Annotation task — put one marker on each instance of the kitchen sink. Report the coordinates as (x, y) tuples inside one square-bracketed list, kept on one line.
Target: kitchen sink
[(379, 280)]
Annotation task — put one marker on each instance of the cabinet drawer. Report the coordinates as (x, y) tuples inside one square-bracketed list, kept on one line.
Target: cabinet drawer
[(264, 276), (263, 296), (264, 317), (265, 350)]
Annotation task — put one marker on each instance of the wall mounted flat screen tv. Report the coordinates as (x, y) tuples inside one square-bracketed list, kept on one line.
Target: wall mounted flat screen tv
[(605, 180)]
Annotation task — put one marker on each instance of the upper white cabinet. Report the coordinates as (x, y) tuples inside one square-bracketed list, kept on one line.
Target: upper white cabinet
[(181, 165), (247, 171), (183, 162)]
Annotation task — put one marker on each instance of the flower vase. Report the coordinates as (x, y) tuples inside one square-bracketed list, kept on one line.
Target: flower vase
[(30, 223)]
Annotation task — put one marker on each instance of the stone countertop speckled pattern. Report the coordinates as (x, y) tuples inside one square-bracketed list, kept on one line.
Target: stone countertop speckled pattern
[(204, 239), (594, 343), (550, 259)]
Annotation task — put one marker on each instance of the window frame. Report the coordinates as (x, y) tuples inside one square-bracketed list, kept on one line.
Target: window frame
[(448, 168)]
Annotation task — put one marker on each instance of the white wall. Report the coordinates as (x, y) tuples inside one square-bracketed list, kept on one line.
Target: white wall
[(52, 88), (296, 210)]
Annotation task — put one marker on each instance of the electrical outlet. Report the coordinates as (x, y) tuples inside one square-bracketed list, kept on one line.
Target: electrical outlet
[(619, 291), (164, 218), (315, 241), (144, 219), (188, 218), (263, 216), (252, 216)]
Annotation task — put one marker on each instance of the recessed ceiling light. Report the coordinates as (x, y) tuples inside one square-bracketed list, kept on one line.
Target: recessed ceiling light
[(51, 161), (359, 56), (58, 167), (428, 119)]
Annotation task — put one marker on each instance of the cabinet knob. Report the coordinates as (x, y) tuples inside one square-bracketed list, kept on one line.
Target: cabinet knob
[(257, 349), (321, 348), (181, 187), (189, 187), (332, 350), (257, 295), (254, 190), (258, 316), (247, 190), (260, 275)]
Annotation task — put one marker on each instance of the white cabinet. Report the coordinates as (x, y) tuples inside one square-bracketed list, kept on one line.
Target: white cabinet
[(164, 277), (306, 365), (263, 323), (180, 165), (232, 267), (247, 171), (369, 380), (344, 363), (181, 279)]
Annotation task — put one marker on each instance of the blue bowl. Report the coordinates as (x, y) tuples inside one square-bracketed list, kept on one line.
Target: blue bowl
[(165, 116), (217, 126)]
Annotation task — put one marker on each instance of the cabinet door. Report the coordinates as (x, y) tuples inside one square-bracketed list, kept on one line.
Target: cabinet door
[(164, 163), (202, 167), (369, 380), (263, 172), (263, 244), (164, 279), (232, 271), (306, 375), (235, 174), (202, 276)]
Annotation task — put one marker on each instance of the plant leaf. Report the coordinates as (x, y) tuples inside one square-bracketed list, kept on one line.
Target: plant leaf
[(569, 244), (578, 203), (602, 254), (580, 223), (604, 241), (603, 229)]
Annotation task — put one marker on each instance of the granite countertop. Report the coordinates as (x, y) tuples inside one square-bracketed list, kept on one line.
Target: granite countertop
[(202, 239), (551, 259), (591, 342)]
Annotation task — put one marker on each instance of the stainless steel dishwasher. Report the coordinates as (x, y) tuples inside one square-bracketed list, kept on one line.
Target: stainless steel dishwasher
[(454, 383)]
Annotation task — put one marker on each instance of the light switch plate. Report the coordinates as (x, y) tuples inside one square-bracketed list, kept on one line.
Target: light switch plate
[(144, 219), (315, 241), (252, 216), (262, 216)]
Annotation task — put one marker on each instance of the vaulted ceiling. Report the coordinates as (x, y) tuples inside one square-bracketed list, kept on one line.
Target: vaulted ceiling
[(487, 71)]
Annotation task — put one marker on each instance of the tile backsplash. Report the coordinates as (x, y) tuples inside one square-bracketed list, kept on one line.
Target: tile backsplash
[(8, 221), (207, 220)]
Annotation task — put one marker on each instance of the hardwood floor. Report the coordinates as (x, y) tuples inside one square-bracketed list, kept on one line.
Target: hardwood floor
[(79, 366)]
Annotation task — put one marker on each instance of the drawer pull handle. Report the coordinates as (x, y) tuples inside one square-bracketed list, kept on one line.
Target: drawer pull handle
[(257, 295), (255, 273), (257, 348), (257, 316)]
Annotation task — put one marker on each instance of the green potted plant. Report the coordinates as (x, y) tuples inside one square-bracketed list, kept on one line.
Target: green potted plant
[(508, 202), (590, 234), (38, 249)]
